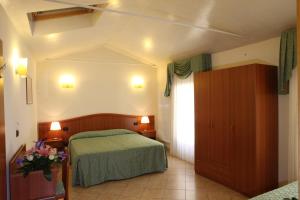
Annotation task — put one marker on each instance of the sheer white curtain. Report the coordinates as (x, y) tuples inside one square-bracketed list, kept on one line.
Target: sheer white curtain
[(183, 129), (293, 129)]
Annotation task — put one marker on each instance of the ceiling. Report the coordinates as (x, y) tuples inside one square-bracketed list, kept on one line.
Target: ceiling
[(155, 41)]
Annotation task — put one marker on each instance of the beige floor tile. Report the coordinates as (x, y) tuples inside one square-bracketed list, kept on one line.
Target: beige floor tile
[(176, 171), (174, 194), (89, 196), (176, 177), (108, 197), (219, 195), (190, 172), (153, 194), (129, 198), (238, 197), (74, 196), (132, 192), (190, 185), (195, 195), (111, 190), (175, 185), (160, 185), (141, 182), (97, 189)]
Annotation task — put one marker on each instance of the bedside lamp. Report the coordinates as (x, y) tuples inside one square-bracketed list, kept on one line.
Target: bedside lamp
[(55, 128), (145, 120)]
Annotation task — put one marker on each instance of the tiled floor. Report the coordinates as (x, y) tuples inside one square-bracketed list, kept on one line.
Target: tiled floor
[(179, 182)]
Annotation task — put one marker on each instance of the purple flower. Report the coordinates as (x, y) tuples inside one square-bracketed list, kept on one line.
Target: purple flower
[(39, 144), (20, 161), (62, 155)]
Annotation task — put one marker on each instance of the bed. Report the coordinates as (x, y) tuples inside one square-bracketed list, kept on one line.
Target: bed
[(288, 191), (99, 156), (106, 146)]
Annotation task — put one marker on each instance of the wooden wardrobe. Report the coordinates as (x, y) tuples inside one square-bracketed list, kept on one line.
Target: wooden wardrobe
[(236, 127)]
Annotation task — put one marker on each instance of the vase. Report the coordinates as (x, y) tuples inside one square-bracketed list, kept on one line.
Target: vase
[(34, 186)]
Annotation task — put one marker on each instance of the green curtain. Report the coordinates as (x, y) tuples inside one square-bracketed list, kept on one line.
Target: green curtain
[(287, 60), (184, 69)]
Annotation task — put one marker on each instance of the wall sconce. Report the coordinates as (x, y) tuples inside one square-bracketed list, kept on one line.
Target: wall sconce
[(137, 82), (67, 81), (21, 68)]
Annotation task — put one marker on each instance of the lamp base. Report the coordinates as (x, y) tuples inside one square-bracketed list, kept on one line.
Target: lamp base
[(55, 138)]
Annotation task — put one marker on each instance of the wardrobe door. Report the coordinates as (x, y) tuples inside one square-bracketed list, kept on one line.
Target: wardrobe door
[(221, 138), (202, 118), (266, 128), (242, 84)]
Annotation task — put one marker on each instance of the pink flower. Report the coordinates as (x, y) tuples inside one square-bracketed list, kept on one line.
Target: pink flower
[(31, 151), (48, 147), (53, 151), (43, 152)]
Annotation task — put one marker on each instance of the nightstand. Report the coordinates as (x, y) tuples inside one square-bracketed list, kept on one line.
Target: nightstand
[(148, 133), (57, 143)]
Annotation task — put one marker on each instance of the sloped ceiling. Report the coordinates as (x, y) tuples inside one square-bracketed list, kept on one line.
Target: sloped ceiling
[(255, 20), (101, 55)]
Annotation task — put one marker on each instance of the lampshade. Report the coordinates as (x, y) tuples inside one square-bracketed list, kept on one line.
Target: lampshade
[(21, 68), (145, 120), (55, 126)]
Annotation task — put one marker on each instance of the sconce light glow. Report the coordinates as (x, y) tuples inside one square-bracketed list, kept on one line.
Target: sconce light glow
[(67, 81), (52, 36), (114, 3), (21, 68), (148, 44), (137, 82)]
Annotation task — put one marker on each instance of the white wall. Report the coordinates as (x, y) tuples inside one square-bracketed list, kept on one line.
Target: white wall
[(18, 115), (103, 85), (265, 52), (164, 107)]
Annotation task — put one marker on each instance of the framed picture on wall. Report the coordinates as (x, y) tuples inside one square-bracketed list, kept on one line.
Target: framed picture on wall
[(29, 97)]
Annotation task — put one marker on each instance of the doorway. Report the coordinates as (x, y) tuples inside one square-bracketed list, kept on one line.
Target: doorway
[(2, 132)]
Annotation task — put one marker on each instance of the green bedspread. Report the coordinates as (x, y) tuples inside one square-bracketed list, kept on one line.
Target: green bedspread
[(287, 191), (99, 156)]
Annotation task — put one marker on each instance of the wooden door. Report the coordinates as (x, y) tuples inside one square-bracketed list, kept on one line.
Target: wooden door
[(221, 138), (202, 118), (214, 147), (242, 84), (2, 140), (266, 128)]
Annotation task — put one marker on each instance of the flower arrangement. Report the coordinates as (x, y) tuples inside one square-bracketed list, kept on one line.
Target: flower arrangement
[(40, 157)]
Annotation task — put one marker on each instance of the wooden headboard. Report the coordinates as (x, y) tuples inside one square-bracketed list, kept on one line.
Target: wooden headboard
[(94, 122)]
